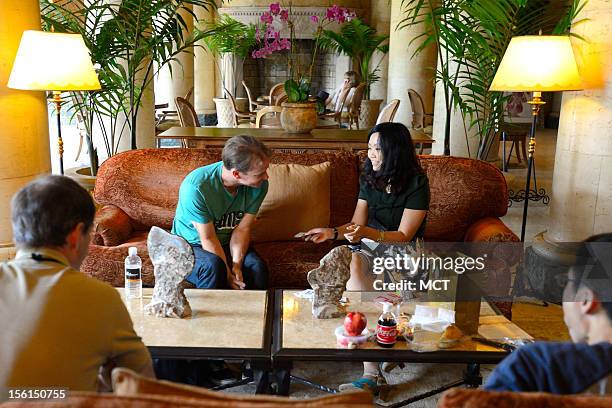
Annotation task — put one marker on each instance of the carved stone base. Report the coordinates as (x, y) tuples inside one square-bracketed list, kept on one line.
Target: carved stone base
[(543, 261), (173, 260), (329, 281)]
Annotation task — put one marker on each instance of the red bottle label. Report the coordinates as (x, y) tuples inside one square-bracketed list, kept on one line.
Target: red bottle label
[(386, 334)]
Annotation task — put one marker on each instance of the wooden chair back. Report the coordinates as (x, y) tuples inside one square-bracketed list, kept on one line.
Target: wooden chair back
[(387, 113), (259, 119), (276, 91), (355, 105), (282, 98), (419, 117), (252, 104), (186, 113)]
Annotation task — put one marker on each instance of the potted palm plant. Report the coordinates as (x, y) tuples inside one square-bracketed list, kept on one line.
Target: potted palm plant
[(360, 42), (230, 42), (299, 113), (129, 42), (474, 37)]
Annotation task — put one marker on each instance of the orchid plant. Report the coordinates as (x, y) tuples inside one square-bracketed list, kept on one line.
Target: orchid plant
[(270, 40)]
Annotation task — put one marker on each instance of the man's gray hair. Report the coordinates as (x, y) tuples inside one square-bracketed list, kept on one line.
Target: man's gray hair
[(241, 152), (45, 211)]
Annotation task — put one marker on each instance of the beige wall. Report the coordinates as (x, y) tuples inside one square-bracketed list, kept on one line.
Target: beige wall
[(581, 202), (25, 129)]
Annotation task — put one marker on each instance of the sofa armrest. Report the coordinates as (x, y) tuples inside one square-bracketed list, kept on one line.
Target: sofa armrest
[(489, 229), (112, 226), (472, 398)]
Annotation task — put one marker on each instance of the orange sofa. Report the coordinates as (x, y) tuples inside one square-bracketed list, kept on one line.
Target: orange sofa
[(471, 398), (138, 189)]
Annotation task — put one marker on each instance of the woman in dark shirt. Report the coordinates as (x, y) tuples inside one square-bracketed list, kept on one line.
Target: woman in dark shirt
[(393, 199), (392, 207)]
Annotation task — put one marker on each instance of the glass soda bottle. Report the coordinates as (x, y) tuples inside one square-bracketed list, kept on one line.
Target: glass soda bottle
[(133, 274), (386, 329)]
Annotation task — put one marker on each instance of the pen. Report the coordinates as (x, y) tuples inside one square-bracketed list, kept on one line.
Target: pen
[(504, 346)]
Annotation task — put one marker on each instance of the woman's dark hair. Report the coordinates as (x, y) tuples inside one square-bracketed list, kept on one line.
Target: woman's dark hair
[(400, 162), (45, 211)]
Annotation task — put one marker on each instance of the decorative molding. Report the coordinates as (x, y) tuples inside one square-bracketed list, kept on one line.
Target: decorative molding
[(304, 28)]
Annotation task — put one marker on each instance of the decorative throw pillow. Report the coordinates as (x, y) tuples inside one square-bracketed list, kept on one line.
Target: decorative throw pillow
[(298, 199)]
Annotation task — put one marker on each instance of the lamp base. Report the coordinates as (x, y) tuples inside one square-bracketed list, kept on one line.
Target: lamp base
[(531, 195)]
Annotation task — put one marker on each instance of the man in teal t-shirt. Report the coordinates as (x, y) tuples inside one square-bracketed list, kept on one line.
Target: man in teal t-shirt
[(215, 213)]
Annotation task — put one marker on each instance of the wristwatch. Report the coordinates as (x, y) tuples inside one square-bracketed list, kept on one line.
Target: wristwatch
[(335, 233)]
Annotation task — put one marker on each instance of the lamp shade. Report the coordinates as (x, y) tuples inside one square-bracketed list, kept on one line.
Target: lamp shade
[(538, 63), (53, 62)]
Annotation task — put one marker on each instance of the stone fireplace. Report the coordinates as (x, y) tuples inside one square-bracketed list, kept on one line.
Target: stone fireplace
[(261, 74)]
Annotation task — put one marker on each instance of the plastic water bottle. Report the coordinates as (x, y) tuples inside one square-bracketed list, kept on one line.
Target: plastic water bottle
[(133, 276)]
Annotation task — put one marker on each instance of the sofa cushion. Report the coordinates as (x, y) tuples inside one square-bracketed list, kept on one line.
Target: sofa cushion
[(128, 383), (344, 179), (290, 261), (297, 200)]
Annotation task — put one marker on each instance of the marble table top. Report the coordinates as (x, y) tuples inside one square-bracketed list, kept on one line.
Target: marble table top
[(300, 330), (231, 319)]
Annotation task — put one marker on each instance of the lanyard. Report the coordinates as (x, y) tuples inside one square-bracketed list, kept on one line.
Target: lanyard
[(42, 258)]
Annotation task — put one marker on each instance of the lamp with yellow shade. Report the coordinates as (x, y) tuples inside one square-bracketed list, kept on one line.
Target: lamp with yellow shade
[(536, 63), (53, 62)]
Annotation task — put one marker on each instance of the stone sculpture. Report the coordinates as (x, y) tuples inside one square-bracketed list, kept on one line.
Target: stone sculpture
[(329, 282), (173, 260)]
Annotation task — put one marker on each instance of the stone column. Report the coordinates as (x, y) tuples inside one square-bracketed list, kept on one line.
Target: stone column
[(406, 71), (145, 131), (581, 203), (204, 70), (177, 78), (380, 19), (145, 120), (460, 145), (25, 127)]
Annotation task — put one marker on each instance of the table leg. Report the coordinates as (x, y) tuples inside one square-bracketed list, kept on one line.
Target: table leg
[(261, 377), (471, 376), (282, 375)]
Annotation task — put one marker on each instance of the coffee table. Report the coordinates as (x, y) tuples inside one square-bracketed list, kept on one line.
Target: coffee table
[(225, 324), (298, 336)]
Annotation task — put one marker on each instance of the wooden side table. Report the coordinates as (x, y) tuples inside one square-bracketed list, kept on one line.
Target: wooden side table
[(517, 134)]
